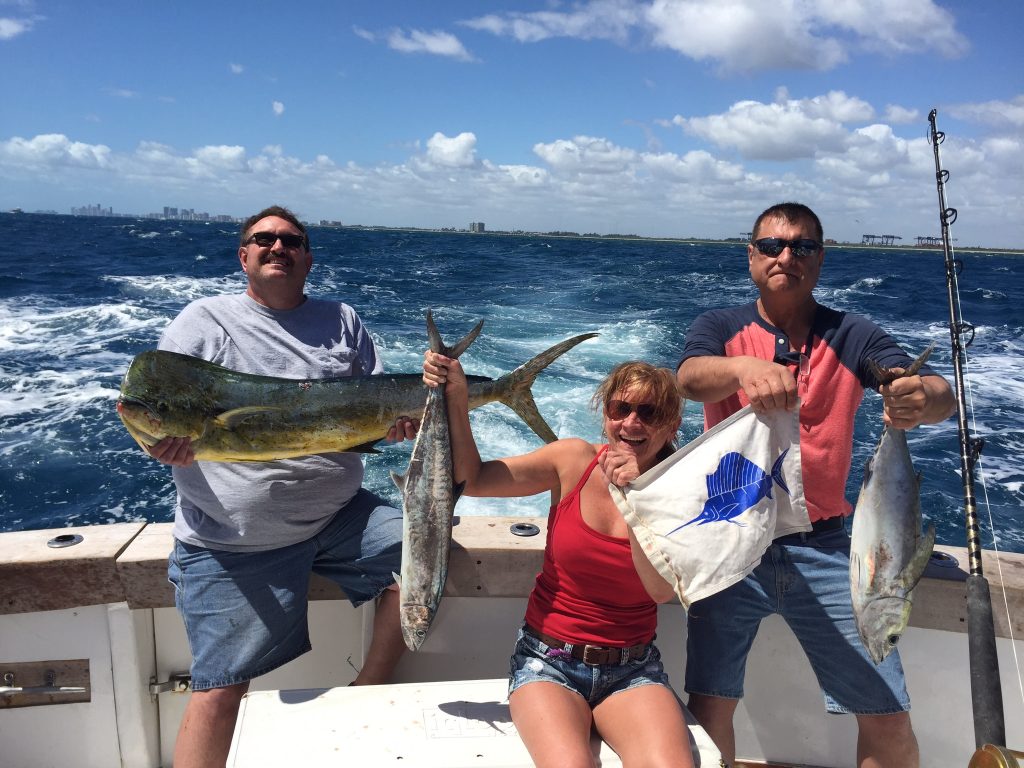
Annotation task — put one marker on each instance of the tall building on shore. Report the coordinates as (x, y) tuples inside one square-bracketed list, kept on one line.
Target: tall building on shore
[(476, 226)]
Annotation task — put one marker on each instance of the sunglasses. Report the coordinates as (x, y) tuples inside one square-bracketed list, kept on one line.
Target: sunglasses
[(267, 239), (620, 409), (773, 246)]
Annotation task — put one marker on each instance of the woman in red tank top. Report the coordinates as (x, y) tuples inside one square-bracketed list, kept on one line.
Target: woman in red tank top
[(585, 656)]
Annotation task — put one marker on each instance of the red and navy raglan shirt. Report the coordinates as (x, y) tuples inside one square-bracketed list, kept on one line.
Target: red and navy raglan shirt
[(831, 385)]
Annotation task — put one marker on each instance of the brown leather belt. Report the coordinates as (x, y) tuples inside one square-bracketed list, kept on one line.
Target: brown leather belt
[(592, 654), (827, 525)]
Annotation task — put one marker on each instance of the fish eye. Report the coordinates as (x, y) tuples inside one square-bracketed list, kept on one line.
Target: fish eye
[(893, 639)]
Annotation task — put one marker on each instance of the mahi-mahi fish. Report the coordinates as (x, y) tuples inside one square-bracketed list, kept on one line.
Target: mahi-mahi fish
[(428, 501), (888, 552), (232, 416)]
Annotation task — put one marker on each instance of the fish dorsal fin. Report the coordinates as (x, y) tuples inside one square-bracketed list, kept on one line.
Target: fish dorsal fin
[(367, 447), (234, 417)]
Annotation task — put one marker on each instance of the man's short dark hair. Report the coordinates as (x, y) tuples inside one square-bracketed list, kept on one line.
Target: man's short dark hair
[(275, 210), (792, 213)]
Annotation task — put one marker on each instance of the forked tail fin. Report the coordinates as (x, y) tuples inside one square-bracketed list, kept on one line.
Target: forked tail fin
[(514, 388)]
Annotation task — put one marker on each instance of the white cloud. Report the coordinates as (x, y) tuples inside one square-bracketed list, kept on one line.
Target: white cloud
[(901, 115), (53, 149), (278, 108), (596, 20), (996, 113), (11, 28), (236, 69), (365, 34), (452, 152), (586, 155), (785, 130), (436, 43), (746, 35), (123, 93)]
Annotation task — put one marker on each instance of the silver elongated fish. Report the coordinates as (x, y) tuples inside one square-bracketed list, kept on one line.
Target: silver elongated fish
[(888, 552), (428, 501), (232, 416)]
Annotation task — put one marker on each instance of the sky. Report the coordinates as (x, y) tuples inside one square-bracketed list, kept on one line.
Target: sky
[(669, 118)]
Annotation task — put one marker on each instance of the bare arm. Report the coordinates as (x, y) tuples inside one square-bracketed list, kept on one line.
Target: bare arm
[(525, 475), (709, 379)]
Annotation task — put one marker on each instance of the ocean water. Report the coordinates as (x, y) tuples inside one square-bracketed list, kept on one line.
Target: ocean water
[(82, 296)]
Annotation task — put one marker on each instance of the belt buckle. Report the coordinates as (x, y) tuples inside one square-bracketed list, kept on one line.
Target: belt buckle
[(591, 659)]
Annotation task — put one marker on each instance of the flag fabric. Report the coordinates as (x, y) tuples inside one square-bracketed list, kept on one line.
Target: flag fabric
[(706, 514)]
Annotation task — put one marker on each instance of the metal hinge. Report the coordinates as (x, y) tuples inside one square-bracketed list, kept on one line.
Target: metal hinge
[(178, 683)]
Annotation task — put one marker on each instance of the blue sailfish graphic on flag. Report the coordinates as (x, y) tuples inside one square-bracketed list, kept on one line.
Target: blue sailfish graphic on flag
[(736, 485)]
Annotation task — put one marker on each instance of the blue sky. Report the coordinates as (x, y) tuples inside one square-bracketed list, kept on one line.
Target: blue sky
[(667, 118)]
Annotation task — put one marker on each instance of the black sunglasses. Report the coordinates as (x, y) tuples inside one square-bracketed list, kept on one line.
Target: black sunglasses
[(620, 409), (267, 239), (773, 246)]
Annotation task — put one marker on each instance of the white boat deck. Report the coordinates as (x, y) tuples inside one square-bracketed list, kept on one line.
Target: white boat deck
[(461, 724)]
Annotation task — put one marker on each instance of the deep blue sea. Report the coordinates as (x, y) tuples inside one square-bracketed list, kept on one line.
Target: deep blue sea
[(82, 296)]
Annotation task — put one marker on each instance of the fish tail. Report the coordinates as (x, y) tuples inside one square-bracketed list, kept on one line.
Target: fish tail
[(888, 375), (777, 474), (399, 480), (515, 386), (437, 344)]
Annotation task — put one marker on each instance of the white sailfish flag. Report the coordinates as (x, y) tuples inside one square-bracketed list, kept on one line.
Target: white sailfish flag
[(706, 514)]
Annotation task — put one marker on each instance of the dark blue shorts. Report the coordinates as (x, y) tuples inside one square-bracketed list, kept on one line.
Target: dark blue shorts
[(245, 612), (808, 584)]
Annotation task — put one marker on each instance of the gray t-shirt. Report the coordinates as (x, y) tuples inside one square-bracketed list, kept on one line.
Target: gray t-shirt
[(251, 506)]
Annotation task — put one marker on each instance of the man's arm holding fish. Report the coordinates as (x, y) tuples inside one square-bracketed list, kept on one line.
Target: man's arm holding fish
[(177, 451)]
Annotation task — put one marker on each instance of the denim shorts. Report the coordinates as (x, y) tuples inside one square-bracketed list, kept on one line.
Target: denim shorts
[(530, 663), (245, 612), (807, 582)]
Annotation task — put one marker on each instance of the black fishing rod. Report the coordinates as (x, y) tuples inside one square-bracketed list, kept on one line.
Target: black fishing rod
[(986, 692)]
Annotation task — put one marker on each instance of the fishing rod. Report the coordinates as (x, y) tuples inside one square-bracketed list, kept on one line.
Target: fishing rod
[(986, 693)]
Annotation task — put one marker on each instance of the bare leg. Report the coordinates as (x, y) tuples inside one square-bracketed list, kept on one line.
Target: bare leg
[(387, 644), (886, 741), (204, 738), (554, 724), (646, 727), (715, 714)]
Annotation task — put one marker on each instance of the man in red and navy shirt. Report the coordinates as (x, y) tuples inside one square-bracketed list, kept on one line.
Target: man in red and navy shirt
[(776, 352)]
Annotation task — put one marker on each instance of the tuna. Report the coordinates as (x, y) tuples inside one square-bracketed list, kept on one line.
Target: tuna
[(428, 502), (888, 552), (232, 416)]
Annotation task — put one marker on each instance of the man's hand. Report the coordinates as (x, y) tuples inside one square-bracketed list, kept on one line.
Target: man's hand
[(173, 451), (768, 386), (904, 402), (404, 428)]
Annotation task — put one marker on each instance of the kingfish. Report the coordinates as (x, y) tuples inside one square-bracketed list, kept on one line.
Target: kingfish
[(888, 552), (232, 416), (428, 502)]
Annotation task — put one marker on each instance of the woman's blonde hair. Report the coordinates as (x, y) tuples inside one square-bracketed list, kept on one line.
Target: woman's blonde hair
[(646, 382)]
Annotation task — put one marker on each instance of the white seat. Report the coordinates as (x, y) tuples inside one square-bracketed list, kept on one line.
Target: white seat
[(413, 725)]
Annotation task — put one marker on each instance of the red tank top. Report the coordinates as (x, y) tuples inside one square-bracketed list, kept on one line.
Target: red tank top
[(589, 590)]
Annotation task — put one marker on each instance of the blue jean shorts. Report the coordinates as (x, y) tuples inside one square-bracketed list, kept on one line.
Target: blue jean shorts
[(245, 612), (807, 582), (530, 663)]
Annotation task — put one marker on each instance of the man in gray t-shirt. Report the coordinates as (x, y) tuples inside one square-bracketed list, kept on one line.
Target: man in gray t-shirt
[(248, 534)]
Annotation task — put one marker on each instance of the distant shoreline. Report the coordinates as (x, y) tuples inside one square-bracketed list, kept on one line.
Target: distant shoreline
[(686, 240), (562, 235)]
